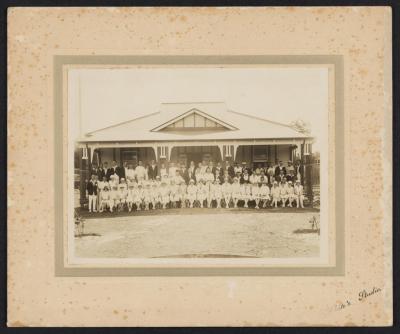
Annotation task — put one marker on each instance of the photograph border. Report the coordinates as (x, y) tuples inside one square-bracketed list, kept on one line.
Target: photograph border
[(337, 60)]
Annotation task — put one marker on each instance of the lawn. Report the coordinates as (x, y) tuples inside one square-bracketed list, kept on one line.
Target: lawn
[(200, 233)]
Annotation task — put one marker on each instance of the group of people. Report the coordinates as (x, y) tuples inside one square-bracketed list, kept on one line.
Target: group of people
[(205, 185)]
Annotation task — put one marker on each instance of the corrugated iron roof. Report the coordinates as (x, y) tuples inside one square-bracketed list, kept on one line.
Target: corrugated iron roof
[(149, 127)]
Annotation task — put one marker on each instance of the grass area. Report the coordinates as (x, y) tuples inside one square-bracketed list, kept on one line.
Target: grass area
[(191, 233)]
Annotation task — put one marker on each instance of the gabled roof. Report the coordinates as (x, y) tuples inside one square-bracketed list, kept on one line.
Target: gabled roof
[(194, 111), (147, 128)]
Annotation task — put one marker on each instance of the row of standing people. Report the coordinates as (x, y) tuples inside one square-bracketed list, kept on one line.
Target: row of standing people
[(209, 170)]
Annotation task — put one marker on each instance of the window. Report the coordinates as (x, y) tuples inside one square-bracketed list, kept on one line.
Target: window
[(260, 153)]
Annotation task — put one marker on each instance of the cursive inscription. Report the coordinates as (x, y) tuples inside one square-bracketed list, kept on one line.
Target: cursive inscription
[(366, 293), (362, 295)]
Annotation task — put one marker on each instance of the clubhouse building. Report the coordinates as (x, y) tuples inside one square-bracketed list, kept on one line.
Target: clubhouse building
[(184, 132)]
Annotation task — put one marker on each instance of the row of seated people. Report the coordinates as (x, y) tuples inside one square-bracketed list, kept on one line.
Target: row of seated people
[(173, 192)]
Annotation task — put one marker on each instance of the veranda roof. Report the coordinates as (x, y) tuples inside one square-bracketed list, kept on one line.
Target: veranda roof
[(163, 126)]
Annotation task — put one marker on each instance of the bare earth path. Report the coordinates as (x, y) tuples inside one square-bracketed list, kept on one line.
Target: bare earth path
[(244, 233)]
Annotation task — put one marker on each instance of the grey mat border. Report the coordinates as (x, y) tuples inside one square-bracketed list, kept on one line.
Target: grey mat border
[(336, 60)]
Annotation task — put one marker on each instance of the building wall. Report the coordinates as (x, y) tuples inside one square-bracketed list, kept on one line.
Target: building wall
[(146, 154), (266, 154)]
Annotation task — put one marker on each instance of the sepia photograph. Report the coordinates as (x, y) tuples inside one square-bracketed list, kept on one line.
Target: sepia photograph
[(199, 167), (211, 162)]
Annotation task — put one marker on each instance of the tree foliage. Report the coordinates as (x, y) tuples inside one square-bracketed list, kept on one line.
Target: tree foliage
[(301, 126)]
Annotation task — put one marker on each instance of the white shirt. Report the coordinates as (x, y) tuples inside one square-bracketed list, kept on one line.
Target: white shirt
[(130, 173), (172, 171), (140, 172)]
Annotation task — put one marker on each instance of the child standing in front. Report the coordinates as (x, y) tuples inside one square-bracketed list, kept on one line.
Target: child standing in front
[(275, 192), (298, 191), (91, 188)]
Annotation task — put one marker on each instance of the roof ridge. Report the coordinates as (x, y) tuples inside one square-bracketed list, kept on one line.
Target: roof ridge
[(262, 119), (120, 123), (209, 102)]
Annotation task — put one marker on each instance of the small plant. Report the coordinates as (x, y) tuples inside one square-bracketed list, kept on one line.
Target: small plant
[(314, 223), (79, 224)]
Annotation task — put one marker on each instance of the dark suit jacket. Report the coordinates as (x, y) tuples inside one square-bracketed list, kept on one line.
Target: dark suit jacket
[(101, 173), (117, 170), (243, 180), (185, 174), (120, 171), (92, 188), (231, 171), (278, 170), (110, 171), (191, 175), (152, 172)]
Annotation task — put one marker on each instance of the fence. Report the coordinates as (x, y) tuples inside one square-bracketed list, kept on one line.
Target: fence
[(312, 183)]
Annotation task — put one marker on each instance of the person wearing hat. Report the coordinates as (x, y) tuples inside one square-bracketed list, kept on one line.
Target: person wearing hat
[(130, 172), (100, 187), (209, 193), (114, 197), (183, 193), (284, 192), (178, 179), (255, 177), (270, 172), (130, 195), (246, 167), (191, 193), (298, 191), (173, 193), (172, 170), (237, 169), (191, 171), (236, 193), (123, 193), (139, 196), (91, 188), (290, 192), (153, 194), (201, 192), (226, 189), (255, 193), (217, 192), (276, 193), (105, 202), (164, 191), (245, 193), (147, 195), (140, 171), (290, 167), (163, 172), (113, 181), (209, 176), (264, 194), (135, 194)]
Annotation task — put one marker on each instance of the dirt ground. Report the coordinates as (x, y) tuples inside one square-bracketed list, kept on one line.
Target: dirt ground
[(200, 233)]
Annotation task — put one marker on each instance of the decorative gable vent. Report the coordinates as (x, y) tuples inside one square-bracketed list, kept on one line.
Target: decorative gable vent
[(194, 119)]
